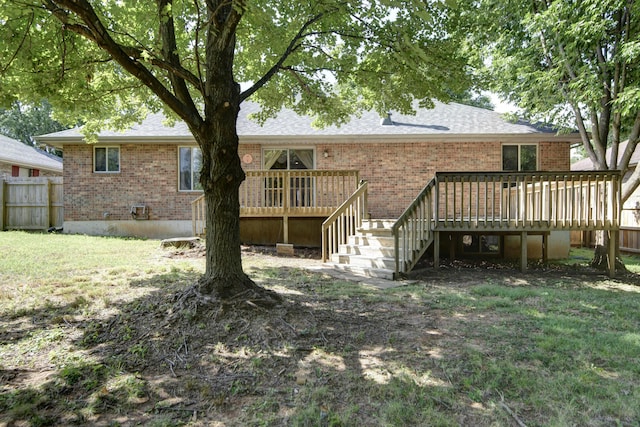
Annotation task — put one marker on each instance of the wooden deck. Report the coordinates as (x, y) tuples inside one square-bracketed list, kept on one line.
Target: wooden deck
[(539, 201), (519, 203), (527, 203), (287, 194)]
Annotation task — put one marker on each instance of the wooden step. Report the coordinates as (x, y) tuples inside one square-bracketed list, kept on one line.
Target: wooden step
[(379, 273), (373, 224), (367, 250), (364, 261), (373, 241), (370, 253)]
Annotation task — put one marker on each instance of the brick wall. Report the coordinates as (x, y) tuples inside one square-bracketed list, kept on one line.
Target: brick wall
[(148, 175), (554, 156), (255, 153), (396, 173)]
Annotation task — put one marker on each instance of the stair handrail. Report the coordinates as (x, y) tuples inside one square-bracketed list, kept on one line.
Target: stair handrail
[(344, 221), (414, 230), (198, 219)]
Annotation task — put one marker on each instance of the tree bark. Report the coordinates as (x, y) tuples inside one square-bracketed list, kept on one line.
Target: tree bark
[(221, 176), (600, 259)]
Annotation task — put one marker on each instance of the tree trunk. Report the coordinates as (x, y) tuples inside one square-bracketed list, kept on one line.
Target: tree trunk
[(601, 253), (221, 176)]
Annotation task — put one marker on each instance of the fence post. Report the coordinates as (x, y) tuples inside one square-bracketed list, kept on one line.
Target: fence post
[(1, 204), (47, 219)]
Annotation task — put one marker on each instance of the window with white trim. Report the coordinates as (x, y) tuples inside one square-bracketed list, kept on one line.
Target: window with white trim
[(190, 164), (520, 157), (106, 159)]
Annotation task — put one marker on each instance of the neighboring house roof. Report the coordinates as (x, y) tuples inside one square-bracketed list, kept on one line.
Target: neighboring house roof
[(587, 165), (16, 153), (445, 121)]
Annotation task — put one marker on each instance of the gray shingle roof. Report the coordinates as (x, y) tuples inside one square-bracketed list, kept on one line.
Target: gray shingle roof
[(19, 154), (443, 120), (587, 165)]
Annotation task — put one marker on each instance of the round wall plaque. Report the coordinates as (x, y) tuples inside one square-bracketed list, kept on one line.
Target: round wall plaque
[(247, 158)]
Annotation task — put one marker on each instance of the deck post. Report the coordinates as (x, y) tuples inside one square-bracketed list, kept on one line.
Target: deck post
[(452, 246), (285, 229), (545, 247), (613, 241), (523, 251), (436, 249)]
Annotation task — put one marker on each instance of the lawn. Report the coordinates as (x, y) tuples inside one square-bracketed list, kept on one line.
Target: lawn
[(91, 334)]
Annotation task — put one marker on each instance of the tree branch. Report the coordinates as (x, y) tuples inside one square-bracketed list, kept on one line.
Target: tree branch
[(19, 48), (93, 29), (293, 45), (169, 52), (196, 52), (605, 101), (629, 187), (619, 84), (224, 17)]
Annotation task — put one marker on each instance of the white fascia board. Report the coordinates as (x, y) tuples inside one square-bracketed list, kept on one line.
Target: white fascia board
[(314, 139)]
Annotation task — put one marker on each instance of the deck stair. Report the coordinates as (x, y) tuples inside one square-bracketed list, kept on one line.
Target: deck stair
[(370, 252)]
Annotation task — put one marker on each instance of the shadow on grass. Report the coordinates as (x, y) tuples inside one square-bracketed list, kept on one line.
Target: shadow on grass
[(334, 353)]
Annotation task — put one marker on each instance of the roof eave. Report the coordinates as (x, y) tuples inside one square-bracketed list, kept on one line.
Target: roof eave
[(31, 165), (301, 139), (521, 137)]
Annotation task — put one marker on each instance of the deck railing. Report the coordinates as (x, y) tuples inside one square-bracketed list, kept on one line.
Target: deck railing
[(413, 231), (198, 216), (344, 221), (286, 193), (506, 202), (295, 192), (528, 201)]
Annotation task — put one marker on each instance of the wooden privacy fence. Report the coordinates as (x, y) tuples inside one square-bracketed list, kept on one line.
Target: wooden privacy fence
[(31, 203)]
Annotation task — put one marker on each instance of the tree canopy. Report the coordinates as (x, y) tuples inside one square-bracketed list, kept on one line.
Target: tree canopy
[(105, 61), (23, 122), (110, 62), (570, 62)]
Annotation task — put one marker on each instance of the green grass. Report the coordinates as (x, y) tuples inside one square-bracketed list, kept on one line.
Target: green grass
[(582, 256), (46, 270), (452, 348)]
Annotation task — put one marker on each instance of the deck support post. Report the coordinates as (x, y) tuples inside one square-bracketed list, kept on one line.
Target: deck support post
[(436, 249), (545, 247), (613, 241), (523, 251), (452, 246), (285, 229)]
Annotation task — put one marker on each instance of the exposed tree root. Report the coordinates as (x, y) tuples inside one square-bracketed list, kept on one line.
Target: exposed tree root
[(602, 263), (600, 260), (208, 294)]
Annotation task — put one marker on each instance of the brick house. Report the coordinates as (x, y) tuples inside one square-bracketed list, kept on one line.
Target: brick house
[(20, 160), (143, 181)]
